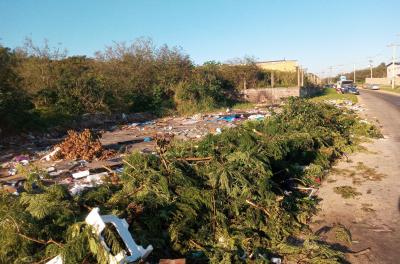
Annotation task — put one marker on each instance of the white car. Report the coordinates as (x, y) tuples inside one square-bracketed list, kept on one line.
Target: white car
[(372, 86)]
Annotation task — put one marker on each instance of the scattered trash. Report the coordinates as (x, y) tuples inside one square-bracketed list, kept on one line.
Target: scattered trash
[(147, 139), (80, 174), (136, 252), (49, 156), (21, 158), (218, 130), (50, 169), (98, 222), (276, 260), (12, 171), (256, 117), (229, 118)]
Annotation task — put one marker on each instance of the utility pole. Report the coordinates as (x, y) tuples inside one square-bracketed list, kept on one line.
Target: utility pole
[(393, 46), (298, 76), (272, 79), (330, 74), (354, 75), (302, 77), (370, 66)]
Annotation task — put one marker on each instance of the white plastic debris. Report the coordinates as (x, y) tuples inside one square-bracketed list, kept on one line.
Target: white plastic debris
[(218, 130), (81, 174), (56, 260), (24, 162), (99, 223), (256, 117), (276, 260), (12, 171), (51, 154)]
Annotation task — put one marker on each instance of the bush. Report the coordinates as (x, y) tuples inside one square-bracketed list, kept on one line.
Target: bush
[(15, 106)]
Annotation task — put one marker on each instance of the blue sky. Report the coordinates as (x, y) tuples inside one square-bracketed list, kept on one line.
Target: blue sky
[(318, 33)]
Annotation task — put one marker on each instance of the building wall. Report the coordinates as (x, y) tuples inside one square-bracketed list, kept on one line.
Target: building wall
[(390, 69), (382, 81), (287, 66), (275, 95)]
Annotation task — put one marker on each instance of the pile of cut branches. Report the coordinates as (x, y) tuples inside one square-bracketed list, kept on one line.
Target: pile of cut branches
[(243, 195), (85, 145)]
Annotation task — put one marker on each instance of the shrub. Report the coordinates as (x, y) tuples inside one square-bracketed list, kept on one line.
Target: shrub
[(15, 105)]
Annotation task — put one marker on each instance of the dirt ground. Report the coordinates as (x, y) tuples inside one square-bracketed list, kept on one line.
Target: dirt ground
[(371, 184)]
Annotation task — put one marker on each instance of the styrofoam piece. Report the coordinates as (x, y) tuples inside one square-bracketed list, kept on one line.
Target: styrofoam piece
[(98, 178), (80, 174), (56, 260)]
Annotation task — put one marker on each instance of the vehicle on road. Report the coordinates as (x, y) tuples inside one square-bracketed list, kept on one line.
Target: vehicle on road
[(346, 86), (353, 90), (371, 86)]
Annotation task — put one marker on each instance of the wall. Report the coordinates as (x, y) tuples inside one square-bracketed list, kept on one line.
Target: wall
[(284, 65), (391, 68), (381, 81), (275, 95)]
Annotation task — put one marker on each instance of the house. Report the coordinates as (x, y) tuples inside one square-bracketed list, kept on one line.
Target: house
[(279, 65), (390, 68)]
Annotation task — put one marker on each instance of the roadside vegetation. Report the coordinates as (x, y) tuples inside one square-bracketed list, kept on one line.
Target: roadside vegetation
[(41, 86), (390, 89), (240, 196), (332, 94)]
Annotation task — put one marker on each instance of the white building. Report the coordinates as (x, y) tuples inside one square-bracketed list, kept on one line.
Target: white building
[(390, 68)]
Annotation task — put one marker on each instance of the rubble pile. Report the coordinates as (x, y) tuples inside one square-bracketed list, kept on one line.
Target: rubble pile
[(84, 159), (348, 104), (83, 146)]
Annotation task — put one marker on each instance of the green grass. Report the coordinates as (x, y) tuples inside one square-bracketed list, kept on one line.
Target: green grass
[(331, 94), (244, 105), (389, 88)]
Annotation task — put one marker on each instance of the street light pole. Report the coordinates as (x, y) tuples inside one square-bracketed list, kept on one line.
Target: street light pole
[(393, 46), (370, 67)]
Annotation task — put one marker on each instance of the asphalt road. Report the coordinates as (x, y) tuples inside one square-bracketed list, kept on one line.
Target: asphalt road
[(373, 217), (386, 108), (384, 235)]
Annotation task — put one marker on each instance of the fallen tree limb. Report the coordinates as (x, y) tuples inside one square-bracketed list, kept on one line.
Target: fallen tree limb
[(196, 159), (258, 207)]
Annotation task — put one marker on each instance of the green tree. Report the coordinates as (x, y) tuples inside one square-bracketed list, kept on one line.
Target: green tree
[(15, 105)]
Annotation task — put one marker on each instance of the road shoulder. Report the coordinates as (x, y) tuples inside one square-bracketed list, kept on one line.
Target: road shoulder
[(361, 195)]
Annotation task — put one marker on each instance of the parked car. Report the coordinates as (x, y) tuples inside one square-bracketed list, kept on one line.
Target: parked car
[(353, 90)]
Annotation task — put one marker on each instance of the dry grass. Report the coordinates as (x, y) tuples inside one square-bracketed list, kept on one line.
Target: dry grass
[(346, 191), (342, 234), (367, 208), (369, 173)]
